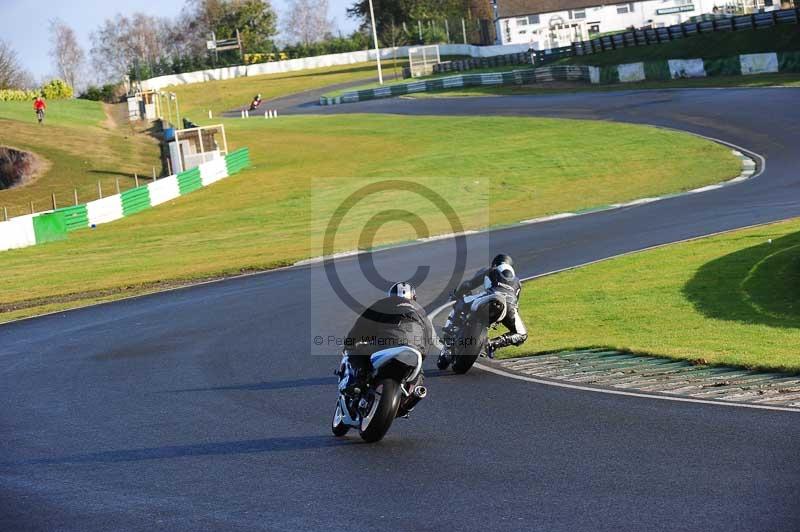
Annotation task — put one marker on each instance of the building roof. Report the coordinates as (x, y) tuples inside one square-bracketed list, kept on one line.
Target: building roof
[(516, 8)]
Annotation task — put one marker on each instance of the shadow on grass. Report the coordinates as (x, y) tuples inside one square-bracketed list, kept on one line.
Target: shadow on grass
[(128, 175), (756, 285)]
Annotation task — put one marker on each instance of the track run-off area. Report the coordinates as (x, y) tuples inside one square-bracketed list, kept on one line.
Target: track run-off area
[(202, 408)]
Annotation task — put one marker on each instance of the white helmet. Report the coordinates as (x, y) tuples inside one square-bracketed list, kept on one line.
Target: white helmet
[(404, 290)]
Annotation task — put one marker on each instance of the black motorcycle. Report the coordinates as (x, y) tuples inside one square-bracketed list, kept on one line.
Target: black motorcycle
[(388, 391), (468, 336)]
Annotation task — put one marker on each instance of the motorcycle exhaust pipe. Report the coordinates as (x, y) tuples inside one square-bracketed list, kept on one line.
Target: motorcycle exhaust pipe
[(419, 393)]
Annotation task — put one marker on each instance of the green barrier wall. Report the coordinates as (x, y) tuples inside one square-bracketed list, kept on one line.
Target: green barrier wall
[(237, 161), (135, 200), (75, 217), (725, 66), (609, 74), (658, 70), (789, 61), (189, 181), (398, 90), (50, 227)]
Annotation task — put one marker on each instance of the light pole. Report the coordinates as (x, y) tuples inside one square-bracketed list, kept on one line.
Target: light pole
[(375, 40)]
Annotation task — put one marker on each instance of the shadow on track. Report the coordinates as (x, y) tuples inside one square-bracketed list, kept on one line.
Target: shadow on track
[(288, 384), (266, 445), (756, 285), (264, 386)]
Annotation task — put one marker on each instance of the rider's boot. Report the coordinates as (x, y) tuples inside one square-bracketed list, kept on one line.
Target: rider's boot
[(444, 359)]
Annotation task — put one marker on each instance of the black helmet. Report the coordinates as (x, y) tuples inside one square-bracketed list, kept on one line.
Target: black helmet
[(404, 290), (502, 258)]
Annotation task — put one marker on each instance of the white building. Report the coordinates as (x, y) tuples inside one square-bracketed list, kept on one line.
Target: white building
[(554, 23)]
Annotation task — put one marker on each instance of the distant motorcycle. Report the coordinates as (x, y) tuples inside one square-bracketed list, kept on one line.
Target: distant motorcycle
[(464, 344), (388, 392)]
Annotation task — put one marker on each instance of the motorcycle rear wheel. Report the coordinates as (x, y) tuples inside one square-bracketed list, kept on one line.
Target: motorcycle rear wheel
[(464, 360), (383, 411)]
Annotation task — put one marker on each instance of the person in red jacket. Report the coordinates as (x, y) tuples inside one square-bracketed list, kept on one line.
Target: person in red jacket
[(39, 107)]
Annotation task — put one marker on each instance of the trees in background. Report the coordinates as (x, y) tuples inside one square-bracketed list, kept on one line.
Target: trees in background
[(68, 56), (143, 45), (307, 21), (12, 75), (124, 42), (392, 13), (423, 21), (255, 19)]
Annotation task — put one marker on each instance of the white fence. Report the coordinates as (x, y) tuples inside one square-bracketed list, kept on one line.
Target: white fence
[(321, 61)]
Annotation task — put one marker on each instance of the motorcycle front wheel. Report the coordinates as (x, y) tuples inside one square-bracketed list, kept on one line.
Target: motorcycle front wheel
[(383, 409), (338, 427)]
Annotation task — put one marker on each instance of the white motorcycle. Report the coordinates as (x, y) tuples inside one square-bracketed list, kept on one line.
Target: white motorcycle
[(389, 390)]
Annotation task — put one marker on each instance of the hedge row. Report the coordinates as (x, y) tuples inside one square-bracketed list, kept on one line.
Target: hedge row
[(53, 90)]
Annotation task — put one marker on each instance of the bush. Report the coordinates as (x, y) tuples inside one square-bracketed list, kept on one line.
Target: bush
[(109, 93), (16, 95), (57, 89)]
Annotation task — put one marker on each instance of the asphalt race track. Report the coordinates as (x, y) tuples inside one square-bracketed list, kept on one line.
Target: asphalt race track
[(203, 408)]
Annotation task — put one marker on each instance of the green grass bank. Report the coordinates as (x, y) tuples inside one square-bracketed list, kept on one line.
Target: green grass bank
[(266, 216), (732, 299)]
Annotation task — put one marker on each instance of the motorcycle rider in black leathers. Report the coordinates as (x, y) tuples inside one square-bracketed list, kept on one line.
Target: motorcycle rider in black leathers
[(499, 278), (396, 320)]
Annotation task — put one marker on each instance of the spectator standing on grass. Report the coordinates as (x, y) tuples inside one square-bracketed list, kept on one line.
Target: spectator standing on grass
[(39, 107)]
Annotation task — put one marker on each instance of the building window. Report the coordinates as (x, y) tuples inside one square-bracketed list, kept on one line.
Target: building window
[(626, 8), (577, 14), (533, 19), (522, 21)]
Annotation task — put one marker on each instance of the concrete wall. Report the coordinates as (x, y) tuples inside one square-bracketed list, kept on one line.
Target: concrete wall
[(321, 61)]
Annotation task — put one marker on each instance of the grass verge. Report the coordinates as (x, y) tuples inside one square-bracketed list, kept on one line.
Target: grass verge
[(84, 142), (266, 216), (218, 96), (732, 299)]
